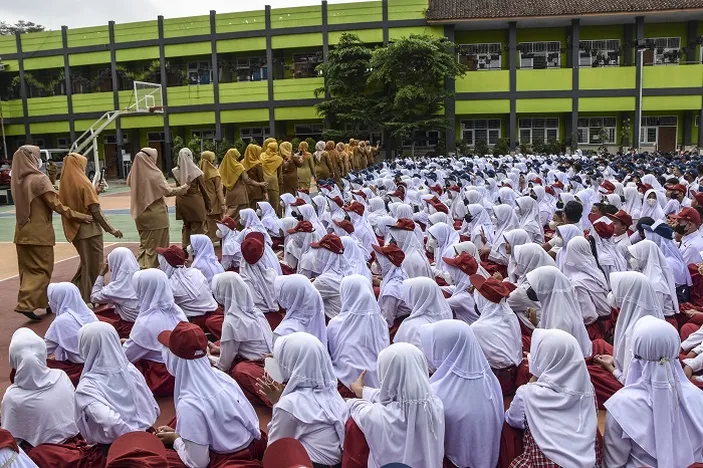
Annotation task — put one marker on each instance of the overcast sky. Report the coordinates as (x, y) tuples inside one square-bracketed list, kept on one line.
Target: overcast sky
[(76, 13)]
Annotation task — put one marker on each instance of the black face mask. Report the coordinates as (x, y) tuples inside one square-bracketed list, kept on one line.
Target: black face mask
[(560, 205), (392, 241), (476, 309), (622, 199), (347, 218), (534, 197), (298, 216), (499, 202), (680, 229), (532, 294), (468, 218)]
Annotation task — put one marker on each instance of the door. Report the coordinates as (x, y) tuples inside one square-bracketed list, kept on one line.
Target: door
[(666, 140)]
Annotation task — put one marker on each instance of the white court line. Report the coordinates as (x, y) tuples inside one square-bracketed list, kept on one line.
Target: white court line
[(64, 259)]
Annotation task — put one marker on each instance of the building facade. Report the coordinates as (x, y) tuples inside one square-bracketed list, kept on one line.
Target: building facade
[(579, 74)]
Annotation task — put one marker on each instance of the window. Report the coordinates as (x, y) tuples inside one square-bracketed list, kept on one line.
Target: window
[(666, 50), (199, 73), (480, 56), (313, 131), (599, 53), (589, 130), (251, 69), (649, 129), (155, 136), (476, 131), (426, 138), (531, 130), (304, 65), (204, 135), (112, 139), (540, 55), (63, 142), (254, 134)]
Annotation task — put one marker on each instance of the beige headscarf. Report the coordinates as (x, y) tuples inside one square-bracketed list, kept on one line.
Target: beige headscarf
[(207, 165), (76, 192), (186, 171), (27, 181), (146, 181)]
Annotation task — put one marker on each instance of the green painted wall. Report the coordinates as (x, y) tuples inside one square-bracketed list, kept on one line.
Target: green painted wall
[(48, 127), (296, 17), (242, 45), (47, 105), (245, 115), (93, 102), (370, 36), (296, 113), (607, 78), (673, 76), (8, 45), (240, 21), (42, 63), (184, 50), (397, 33), (96, 35), (663, 103), (14, 129), (192, 118), (48, 40), (300, 88), (544, 80), (596, 104), (88, 58), (190, 26), (616, 31), (291, 41), (190, 95), (345, 13), (406, 9), (156, 121), (140, 31), (483, 81), (138, 53), (485, 106), (249, 91), (541, 106)]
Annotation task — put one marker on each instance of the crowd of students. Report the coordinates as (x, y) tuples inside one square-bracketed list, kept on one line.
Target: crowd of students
[(390, 318)]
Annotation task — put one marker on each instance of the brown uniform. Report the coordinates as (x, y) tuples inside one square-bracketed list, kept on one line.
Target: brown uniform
[(255, 193), (215, 192), (237, 199), (89, 245), (152, 226), (35, 251), (306, 171), (323, 168), (192, 208), (289, 177)]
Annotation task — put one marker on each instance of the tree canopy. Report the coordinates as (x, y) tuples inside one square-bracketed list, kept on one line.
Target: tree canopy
[(7, 29)]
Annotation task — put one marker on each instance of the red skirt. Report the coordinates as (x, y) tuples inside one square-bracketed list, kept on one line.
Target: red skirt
[(396, 326), (506, 378), (74, 453), (245, 374), (274, 318), (287, 270), (249, 457), (210, 320), (511, 445), (526, 336), (72, 369), (604, 383), (344, 391), (106, 313), (160, 382), (355, 453), (492, 267)]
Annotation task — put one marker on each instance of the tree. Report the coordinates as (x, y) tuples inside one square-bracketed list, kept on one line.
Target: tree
[(412, 73), (351, 105), (7, 29)]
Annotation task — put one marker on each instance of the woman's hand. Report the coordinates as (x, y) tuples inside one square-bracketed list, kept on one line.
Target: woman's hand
[(270, 388), (117, 233), (605, 362), (357, 387), (167, 436), (213, 349), (532, 316)]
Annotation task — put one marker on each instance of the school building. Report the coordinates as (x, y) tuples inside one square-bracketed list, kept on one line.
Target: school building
[(582, 73)]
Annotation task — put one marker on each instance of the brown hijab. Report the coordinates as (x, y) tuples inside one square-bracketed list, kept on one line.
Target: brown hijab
[(75, 192), (207, 165), (146, 181), (27, 182)]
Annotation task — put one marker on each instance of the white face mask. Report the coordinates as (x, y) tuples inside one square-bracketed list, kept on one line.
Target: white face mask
[(553, 225), (258, 213), (559, 242), (611, 300), (189, 249), (431, 244), (40, 163), (651, 201), (218, 233)]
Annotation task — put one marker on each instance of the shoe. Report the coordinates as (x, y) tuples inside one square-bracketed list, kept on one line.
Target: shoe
[(32, 316)]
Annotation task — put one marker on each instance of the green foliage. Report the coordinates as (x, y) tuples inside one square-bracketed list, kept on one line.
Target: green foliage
[(222, 147), (502, 146), (7, 29), (240, 145), (525, 148), (462, 147), (412, 73), (176, 146), (295, 142), (481, 148), (311, 144), (352, 103)]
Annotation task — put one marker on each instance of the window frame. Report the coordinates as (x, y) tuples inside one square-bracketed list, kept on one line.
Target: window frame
[(590, 127), (486, 52), (490, 126), (550, 47), (538, 127), (610, 46)]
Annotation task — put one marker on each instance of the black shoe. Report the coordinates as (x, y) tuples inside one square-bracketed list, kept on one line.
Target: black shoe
[(32, 316), (49, 311)]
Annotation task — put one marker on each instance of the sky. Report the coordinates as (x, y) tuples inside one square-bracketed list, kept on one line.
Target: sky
[(79, 13)]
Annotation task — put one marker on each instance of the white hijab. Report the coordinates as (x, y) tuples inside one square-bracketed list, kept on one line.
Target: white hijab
[(185, 282), (515, 238), (506, 221), (566, 232), (427, 305), (39, 406), (498, 332), (243, 321), (654, 211), (528, 218), (211, 408), (481, 223), (659, 408), (229, 240), (358, 333), (560, 406), (71, 314), (252, 223), (559, 307), (205, 259), (653, 265), (309, 214), (357, 258), (305, 311), (470, 393), (634, 294), (679, 267), (123, 265), (579, 265), (158, 311), (405, 422), (286, 200), (529, 257), (445, 237), (111, 380), (186, 171), (260, 280), (268, 218), (393, 278), (415, 263), (310, 394)]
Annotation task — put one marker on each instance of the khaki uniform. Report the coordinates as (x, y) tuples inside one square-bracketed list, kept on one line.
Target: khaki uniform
[(323, 168), (306, 171), (254, 192), (214, 190), (290, 176), (89, 245), (237, 199), (192, 209), (152, 226), (34, 243)]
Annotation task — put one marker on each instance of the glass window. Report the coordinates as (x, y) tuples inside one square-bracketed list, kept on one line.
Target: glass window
[(599, 53), (665, 50), (540, 55), (481, 56), (545, 129), (253, 134), (481, 130), (589, 130)]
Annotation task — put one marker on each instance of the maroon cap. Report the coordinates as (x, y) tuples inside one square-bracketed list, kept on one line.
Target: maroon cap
[(392, 252), (676, 188), (304, 190), (187, 341), (302, 226), (454, 188), (346, 225), (537, 180), (490, 288), (621, 216), (298, 202), (400, 193), (174, 255), (607, 187), (253, 247), (359, 193), (331, 242), (644, 187), (356, 207), (437, 188), (558, 184), (698, 197), (337, 200), (438, 205), (405, 224), (602, 225), (550, 190), (137, 450), (464, 262), (229, 222), (689, 214), (286, 453)]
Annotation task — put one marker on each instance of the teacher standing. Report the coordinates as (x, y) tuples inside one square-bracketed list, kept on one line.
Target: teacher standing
[(148, 207), (35, 199), (193, 206)]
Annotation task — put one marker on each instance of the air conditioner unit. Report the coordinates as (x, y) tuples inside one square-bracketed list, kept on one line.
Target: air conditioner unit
[(2, 67)]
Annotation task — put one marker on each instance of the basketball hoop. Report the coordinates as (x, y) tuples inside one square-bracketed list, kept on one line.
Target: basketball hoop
[(148, 97), (156, 110)]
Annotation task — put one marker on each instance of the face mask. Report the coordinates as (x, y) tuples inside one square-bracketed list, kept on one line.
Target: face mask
[(532, 295), (189, 250), (40, 163), (560, 205), (651, 201), (258, 213), (218, 233), (680, 229), (468, 218), (553, 225), (559, 242), (611, 300)]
